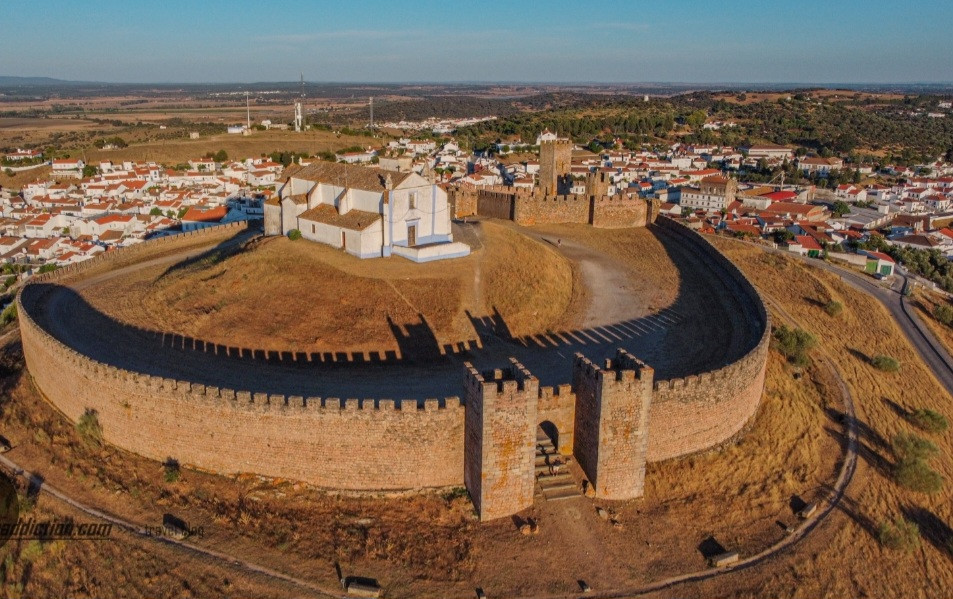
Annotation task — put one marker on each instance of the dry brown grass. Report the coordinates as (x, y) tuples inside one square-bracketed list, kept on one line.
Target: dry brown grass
[(238, 147), (304, 296), (924, 302), (846, 564)]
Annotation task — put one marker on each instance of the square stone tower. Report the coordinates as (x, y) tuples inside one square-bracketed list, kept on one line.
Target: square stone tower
[(611, 424), (555, 163), (499, 444)]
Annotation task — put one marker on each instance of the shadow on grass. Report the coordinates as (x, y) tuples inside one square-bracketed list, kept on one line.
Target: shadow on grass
[(936, 532), (871, 446)]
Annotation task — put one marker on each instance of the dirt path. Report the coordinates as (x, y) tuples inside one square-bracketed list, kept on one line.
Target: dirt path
[(606, 280)]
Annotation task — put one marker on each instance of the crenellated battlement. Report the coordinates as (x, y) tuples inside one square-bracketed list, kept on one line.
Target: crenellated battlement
[(614, 417), (624, 368)]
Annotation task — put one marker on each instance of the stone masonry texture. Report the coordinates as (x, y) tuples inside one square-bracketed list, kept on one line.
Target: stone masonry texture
[(383, 444)]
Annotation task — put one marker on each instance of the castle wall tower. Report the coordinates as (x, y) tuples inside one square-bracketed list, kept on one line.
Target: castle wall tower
[(499, 445), (611, 423), (555, 163), (597, 184)]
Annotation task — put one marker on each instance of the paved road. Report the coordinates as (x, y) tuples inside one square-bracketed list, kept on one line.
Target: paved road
[(613, 320), (930, 349)]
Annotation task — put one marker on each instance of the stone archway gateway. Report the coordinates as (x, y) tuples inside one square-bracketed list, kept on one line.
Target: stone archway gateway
[(236, 410)]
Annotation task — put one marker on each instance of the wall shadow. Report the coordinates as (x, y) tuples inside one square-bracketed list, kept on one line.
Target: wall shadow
[(671, 335)]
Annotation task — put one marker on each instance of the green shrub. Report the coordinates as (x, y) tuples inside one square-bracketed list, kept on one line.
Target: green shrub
[(944, 313), (929, 421), (294, 235), (8, 315), (885, 363), (32, 551), (917, 475), (794, 344), (909, 447), (833, 308), (899, 535), (88, 427), (172, 470)]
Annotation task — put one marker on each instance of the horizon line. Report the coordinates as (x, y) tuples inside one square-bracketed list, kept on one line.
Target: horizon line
[(493, 82)]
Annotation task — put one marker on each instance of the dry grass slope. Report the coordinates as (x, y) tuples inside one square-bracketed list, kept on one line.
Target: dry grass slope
[(847, 565), (302, 296)]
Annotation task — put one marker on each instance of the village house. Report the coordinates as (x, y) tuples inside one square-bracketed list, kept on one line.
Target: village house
[(822, 166), (197, 218), (68, 168)]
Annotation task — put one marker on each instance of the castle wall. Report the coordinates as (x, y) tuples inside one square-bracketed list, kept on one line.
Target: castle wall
[(495, 204), (462, 200), (370, 445), (695, 413), (343, 444), (541, 210), (614, 213)]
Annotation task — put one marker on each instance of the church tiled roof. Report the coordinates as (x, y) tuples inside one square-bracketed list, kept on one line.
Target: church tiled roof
[(354, 177), (356, 220)]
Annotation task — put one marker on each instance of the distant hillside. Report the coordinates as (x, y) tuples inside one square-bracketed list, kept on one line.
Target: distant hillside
[(6, 80)]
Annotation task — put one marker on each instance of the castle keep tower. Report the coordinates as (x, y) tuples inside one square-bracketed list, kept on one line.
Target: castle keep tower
[(555, 162), (611, 423), (499, 445)]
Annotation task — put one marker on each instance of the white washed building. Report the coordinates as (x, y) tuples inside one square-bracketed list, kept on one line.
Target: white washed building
[(367, 212)]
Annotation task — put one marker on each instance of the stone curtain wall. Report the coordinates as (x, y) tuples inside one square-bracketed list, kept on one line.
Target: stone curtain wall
[(352, 444), (615, 213), (698, 412), (524, 207), (543, 210), (341, 444)]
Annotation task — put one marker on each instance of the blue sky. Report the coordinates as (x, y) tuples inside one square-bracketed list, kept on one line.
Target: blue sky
[(833, 41)]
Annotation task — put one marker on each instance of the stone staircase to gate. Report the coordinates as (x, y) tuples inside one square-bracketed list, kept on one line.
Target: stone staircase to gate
[(553, 480)]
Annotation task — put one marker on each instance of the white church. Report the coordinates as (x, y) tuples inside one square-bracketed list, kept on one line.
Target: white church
[(367, 212)]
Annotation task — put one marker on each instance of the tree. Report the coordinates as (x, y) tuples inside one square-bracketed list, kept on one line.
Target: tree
[(929, 420), (783, 236), (221, 156), (794, 344), (156, 211), (840, 208), (696, 119), (90, 171)]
